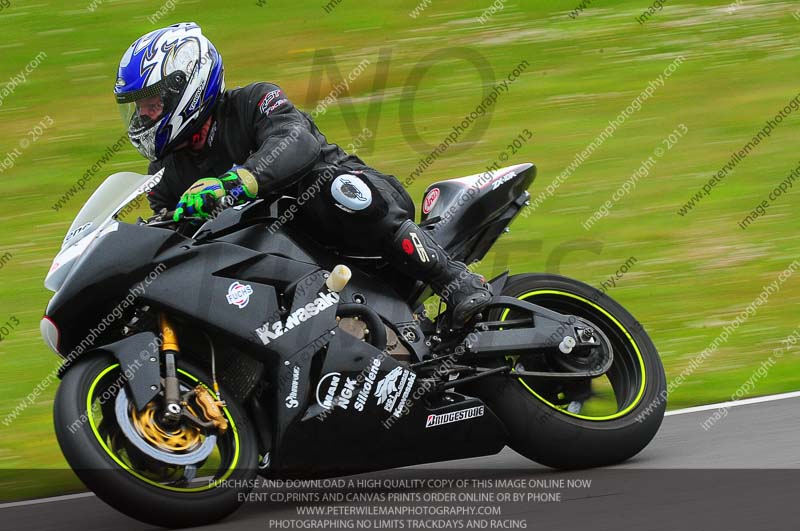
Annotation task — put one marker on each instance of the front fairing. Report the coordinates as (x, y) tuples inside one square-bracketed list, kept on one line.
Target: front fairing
[(97, 219), (105, 274)]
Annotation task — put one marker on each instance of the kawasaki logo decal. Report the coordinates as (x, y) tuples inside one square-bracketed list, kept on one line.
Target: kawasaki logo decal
[(272, 331)]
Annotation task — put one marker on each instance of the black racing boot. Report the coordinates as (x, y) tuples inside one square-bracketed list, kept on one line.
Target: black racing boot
[(464, 292)]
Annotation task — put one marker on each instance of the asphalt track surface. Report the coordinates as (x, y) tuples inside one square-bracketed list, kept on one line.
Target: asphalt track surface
[(742, 473)]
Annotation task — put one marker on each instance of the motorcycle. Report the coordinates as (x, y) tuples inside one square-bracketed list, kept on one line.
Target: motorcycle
[(202, 353)]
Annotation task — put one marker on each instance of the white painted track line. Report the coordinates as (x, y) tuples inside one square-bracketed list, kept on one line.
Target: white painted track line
[(46, 500), (734, 403)]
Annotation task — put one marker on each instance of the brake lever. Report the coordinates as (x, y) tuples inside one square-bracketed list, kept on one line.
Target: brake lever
[(159, 221)]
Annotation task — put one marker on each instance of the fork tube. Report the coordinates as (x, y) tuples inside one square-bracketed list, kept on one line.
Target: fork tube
[(170, 350)]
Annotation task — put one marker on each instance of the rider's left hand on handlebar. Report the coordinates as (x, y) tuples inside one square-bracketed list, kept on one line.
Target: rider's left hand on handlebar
[(206, 195)]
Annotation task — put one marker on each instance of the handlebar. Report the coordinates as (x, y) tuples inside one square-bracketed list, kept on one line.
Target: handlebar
[(164, 218)]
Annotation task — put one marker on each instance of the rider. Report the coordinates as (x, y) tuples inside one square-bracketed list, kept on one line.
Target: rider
[(252, 141)]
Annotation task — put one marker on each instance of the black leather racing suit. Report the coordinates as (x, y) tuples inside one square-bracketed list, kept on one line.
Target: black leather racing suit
[(257, 127)]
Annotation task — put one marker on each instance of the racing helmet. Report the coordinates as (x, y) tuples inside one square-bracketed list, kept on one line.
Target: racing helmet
[(168, 83)]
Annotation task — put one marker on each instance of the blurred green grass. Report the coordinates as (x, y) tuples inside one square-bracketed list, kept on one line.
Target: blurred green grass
[(694, 274)]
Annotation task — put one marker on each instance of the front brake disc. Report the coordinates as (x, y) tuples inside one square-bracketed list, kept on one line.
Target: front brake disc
[(196, 454)]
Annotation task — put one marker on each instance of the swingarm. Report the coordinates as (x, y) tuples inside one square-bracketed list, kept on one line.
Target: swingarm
[(574, 347)]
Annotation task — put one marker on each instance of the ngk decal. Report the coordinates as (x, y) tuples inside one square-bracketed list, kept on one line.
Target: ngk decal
[(348, 389), (330, 385)]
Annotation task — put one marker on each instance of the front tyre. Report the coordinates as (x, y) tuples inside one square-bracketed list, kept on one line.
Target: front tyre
[(118, 460), (585, 423)]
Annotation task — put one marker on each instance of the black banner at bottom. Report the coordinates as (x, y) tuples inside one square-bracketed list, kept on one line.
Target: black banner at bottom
[(471, 499)]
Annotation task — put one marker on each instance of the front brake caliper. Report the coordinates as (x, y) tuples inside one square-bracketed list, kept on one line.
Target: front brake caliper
[(211, 408)]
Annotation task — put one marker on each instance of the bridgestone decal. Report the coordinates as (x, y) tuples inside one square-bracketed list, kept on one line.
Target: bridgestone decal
[(455, 416)]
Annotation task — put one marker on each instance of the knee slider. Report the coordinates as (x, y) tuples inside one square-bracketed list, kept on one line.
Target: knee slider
[(351, 193)]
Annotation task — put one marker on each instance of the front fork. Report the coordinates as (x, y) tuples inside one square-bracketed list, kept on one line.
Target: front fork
[(175, 404), (172, 391)]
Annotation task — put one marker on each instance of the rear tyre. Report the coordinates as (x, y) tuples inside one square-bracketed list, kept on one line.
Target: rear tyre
[(541, 415), (133, 482)]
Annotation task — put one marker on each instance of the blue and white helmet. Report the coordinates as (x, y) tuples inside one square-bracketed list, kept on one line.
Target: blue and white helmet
[(167, 85)]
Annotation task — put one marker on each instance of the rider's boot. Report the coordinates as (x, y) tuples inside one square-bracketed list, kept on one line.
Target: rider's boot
[(464, 292)]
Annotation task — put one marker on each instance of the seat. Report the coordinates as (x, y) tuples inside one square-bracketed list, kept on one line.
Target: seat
[(461, 212)]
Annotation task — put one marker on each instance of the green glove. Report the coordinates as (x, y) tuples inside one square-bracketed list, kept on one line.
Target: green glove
[(205, 195)]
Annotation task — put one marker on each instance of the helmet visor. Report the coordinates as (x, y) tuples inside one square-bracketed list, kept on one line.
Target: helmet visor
[(143, 110), (141, 118)]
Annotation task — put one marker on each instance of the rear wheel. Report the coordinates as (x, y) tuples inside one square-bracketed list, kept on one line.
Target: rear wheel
[(588, 422), (171, 476)]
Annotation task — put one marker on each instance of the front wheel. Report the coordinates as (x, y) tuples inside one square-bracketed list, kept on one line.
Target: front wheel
[(587, 422), (171, 476)]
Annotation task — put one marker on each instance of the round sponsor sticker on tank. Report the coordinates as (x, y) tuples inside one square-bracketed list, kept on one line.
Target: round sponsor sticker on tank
[(430, 200)]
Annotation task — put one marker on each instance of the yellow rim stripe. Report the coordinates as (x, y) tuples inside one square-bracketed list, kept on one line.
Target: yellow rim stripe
[(635, 347), (132, 471)]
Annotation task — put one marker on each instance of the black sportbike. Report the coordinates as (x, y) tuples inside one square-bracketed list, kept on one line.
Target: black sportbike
[(200, 354)]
